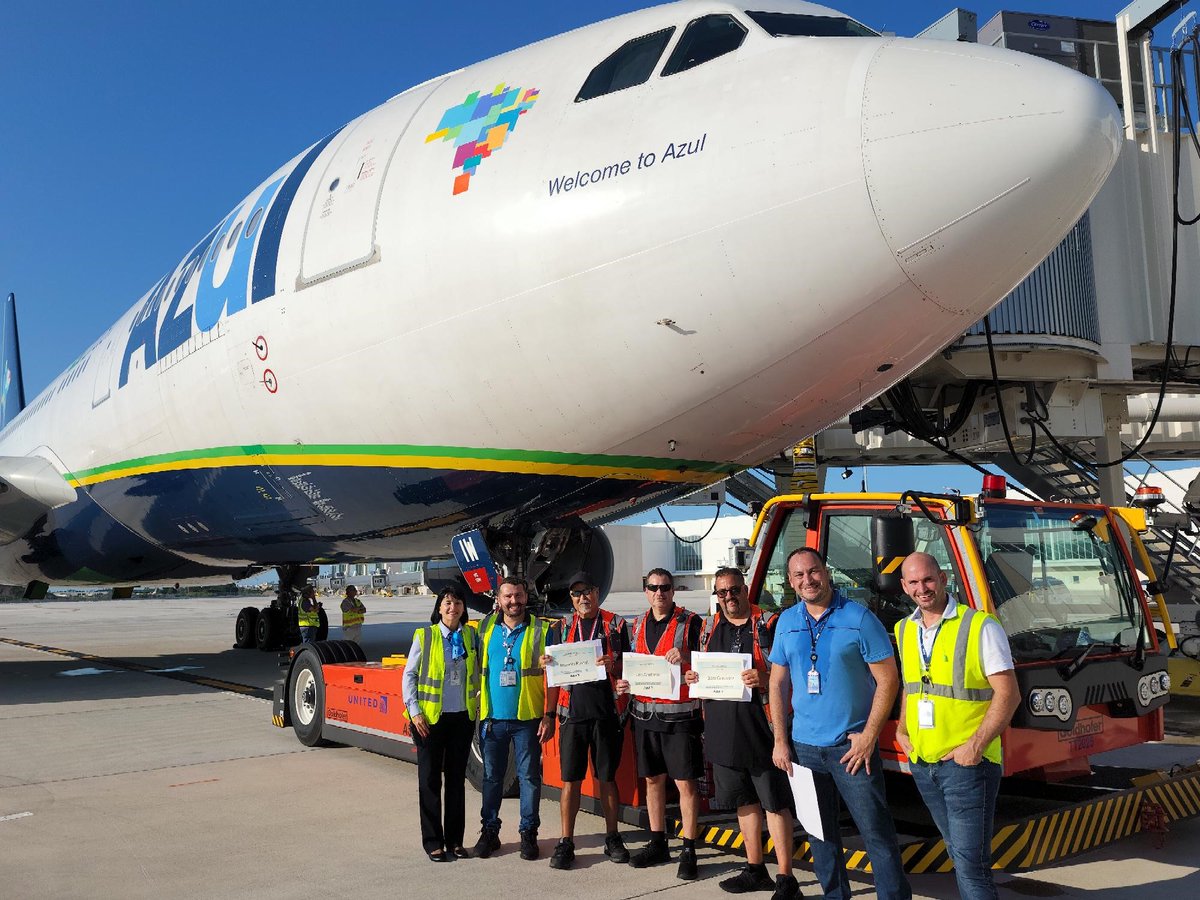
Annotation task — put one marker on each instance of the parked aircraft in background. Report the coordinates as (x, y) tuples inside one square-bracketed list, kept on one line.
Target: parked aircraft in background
[(630, 260)]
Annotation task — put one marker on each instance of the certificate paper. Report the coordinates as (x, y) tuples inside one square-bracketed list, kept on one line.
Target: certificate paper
[(574, 663), (720, 676), (808, 806), (650, 676)]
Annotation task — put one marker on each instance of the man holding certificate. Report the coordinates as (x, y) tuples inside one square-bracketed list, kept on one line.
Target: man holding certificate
[(738, 740), (589, 713), (666, 722), (834, 672)]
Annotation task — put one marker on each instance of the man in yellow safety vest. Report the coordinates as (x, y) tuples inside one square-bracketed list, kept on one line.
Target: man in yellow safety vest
[(353, 613), (309, 615), (959, 693)]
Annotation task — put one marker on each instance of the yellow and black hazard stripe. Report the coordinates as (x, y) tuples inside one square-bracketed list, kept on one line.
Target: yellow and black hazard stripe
[(1033, 842), (886, 565)]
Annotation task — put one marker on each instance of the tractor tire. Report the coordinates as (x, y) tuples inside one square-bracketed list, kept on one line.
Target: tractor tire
[(306, 697), (244, 632)]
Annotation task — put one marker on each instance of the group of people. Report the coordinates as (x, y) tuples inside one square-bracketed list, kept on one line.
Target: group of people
[(308, 614), (823, 679)]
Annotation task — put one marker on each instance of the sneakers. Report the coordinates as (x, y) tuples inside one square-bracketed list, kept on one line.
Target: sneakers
[(529, 847), (488, 843), (654, 853), (614, 848), (564, 854), (750, 878), (687, 864), (786, 888)]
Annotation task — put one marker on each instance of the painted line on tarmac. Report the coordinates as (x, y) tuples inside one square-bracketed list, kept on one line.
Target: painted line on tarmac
[(246, 690), (20, 815)]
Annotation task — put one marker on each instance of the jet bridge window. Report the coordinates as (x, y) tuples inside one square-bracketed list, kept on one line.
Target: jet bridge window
[(631, 65), (796, 25), (706, 38)]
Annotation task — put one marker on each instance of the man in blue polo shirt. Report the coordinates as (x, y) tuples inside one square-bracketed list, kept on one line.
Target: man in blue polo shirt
[(833, 673)]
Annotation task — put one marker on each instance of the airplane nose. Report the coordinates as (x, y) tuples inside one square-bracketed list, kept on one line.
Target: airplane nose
[(978, 161)]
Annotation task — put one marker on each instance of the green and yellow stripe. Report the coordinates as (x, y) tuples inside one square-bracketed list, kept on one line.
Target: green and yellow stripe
[(412, 456)]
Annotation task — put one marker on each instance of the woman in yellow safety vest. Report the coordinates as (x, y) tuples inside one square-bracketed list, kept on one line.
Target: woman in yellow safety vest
[(441, 702)]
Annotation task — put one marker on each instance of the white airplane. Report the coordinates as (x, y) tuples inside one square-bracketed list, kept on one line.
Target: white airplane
[(537, 293)]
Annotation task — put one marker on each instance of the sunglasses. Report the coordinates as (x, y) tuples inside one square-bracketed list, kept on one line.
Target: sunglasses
[(660, 588), (729, 592), (582, 593)]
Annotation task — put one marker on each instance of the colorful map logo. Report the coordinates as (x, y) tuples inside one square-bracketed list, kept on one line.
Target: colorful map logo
[(480, 125)]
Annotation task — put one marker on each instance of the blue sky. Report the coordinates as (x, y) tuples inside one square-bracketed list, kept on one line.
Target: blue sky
[(132, 127)]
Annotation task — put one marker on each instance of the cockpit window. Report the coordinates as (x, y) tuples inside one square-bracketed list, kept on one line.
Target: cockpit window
[(631, 65), (797, 25), (706, 38)]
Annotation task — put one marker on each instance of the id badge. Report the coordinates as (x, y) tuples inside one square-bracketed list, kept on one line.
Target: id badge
[(814, 681), (924, 713), (456, 677), (508, 678)]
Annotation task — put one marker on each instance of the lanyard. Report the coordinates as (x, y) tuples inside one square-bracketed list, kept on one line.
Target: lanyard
[(738, 634), (927, 660), (509, 640), (578, 630), (816, 635)]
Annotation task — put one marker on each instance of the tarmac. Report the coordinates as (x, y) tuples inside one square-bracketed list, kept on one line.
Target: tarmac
[(138, 759)]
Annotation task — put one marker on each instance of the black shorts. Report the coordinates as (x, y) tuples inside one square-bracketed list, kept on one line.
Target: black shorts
[(602, 739), (679, 754), (767, 786)]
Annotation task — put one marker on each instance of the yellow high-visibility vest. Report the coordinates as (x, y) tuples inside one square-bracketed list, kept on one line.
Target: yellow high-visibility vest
[(531, 702), (433, 672), (957, 685), (308, 619)]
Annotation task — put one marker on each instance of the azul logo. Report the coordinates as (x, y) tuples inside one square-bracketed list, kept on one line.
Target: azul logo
[(234, 265), (380, 703), (480, 125), (1039, 25)]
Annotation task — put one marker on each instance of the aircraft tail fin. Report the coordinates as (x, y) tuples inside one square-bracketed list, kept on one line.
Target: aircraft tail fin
[(12, 385)]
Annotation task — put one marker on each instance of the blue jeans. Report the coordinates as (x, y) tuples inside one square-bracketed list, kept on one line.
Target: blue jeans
[(962, 800), (866, 799), (308, 634), (494, 736)]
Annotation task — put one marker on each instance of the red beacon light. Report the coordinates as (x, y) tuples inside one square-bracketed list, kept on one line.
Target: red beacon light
[(994, 487), (1149, 497)]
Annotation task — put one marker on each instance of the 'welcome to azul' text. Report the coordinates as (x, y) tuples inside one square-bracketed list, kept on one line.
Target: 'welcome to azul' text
[(582, 178)]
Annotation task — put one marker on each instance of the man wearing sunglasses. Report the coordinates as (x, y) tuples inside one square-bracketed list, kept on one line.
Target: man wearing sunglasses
[(739, 743), (667, 733), (590, 717)]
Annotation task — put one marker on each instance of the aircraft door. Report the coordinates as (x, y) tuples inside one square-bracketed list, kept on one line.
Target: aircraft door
[(340, 231)]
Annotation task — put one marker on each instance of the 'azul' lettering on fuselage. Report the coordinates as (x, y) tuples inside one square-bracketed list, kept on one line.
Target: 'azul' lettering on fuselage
[(221, 268)]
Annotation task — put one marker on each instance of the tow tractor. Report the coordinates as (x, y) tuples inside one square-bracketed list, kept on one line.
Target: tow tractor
[(1063, 578)]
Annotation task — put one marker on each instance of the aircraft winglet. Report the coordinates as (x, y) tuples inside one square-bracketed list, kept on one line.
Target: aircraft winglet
[(12, 385)]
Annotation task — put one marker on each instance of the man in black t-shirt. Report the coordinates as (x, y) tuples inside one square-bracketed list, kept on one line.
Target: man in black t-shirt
[(739, 741), (590, 721)]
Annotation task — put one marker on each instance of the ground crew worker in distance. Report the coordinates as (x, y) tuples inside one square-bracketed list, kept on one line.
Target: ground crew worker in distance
[(514, 707), (667, 733), (308, 614), (960, 692), (589, 721), (353, 613), (441, 701), (738, 742), (833, 671)]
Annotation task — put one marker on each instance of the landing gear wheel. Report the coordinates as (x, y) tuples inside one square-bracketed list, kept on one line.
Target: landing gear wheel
[(307, 695), (508, 787), (323, 627), (268, 629), (244, 631)]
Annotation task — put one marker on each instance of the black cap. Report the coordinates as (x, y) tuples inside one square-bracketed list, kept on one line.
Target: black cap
[(581, 577)]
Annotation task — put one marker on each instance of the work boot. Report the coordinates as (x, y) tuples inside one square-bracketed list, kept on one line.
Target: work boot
[(488, 843), (654, 853), (529, 847), (614, 848), (786, 888), (687, 864), (750, 878), (564, 854)]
